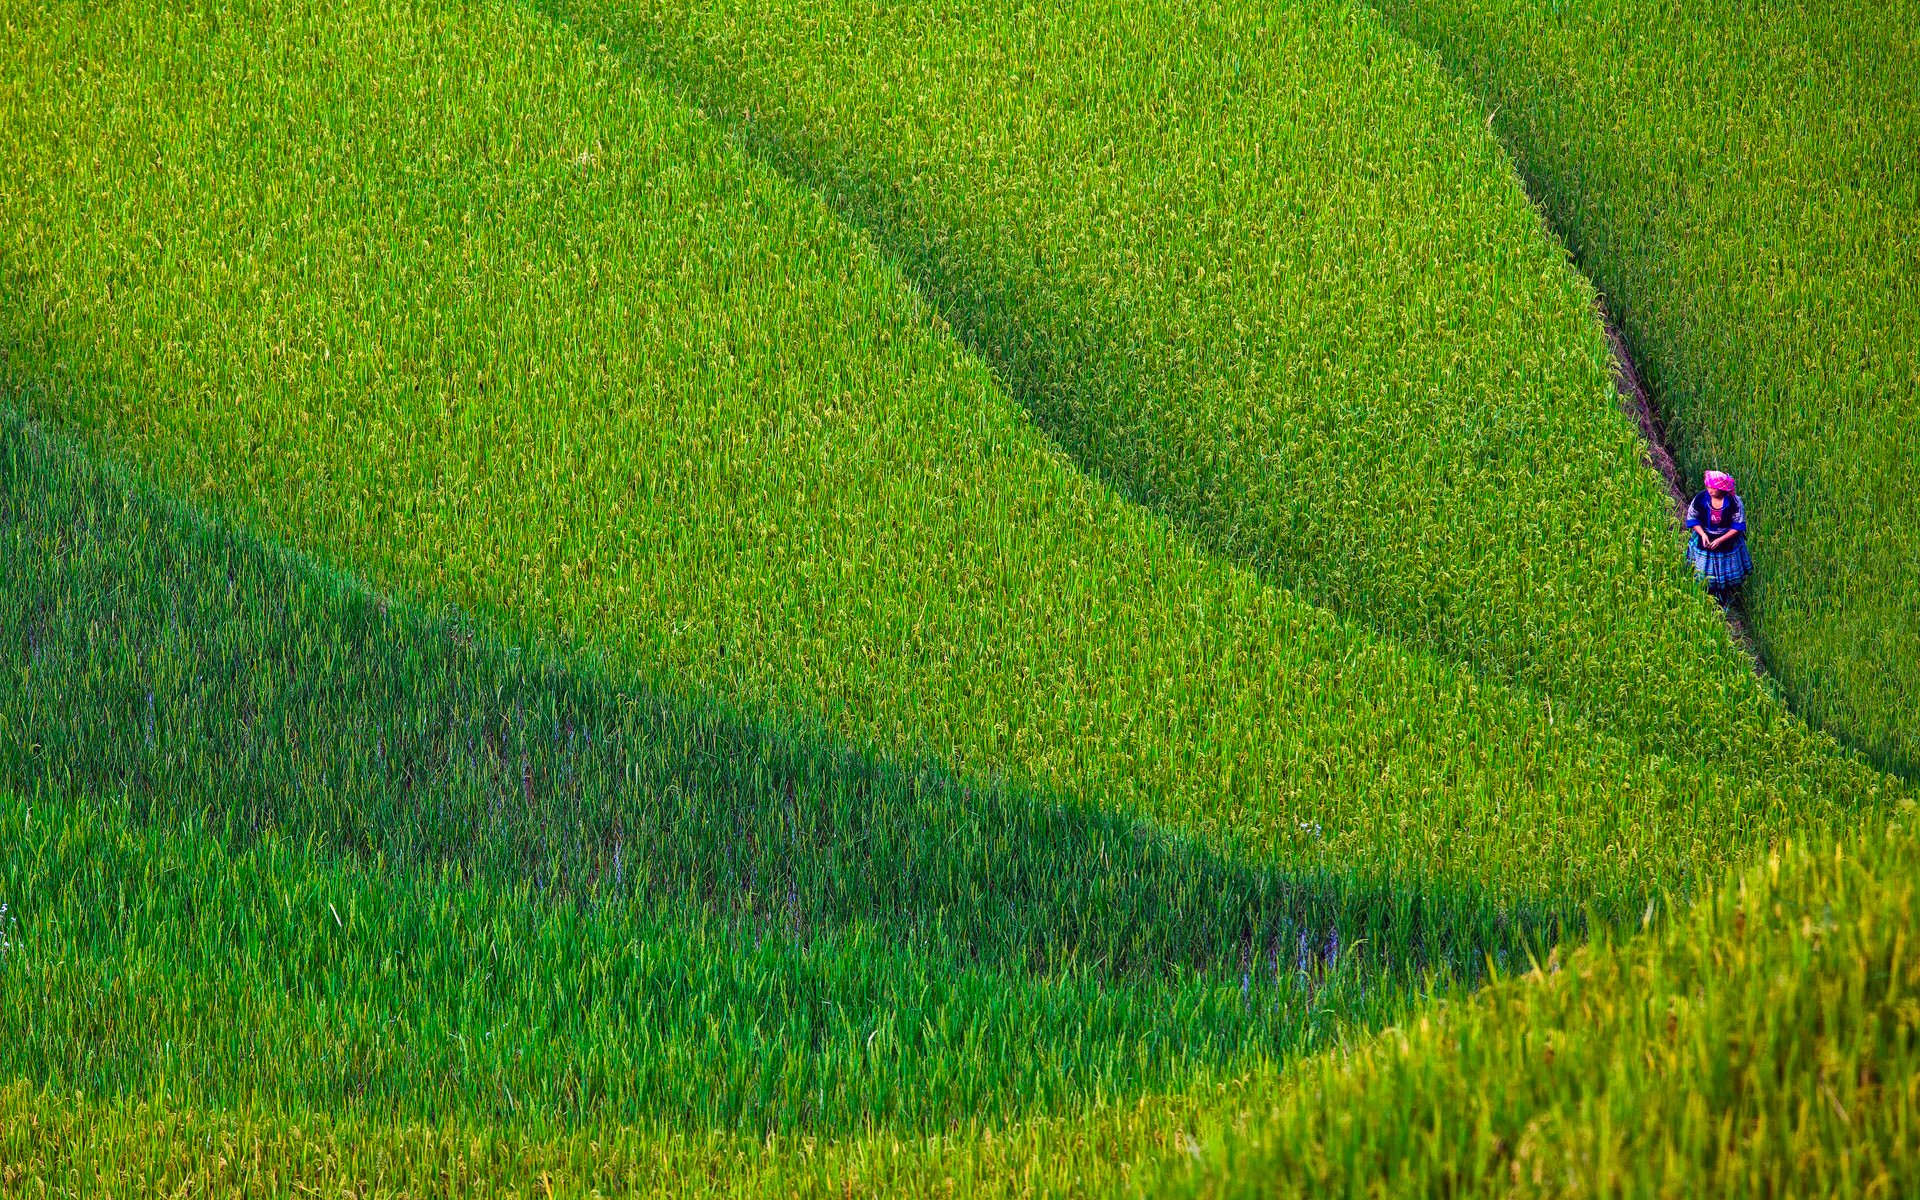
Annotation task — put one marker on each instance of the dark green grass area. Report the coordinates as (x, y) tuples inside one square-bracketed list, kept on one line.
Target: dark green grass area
[(150, 961), (1741, 182), (497, 802)]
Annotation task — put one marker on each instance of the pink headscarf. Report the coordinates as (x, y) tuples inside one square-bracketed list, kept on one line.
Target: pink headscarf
[(1719, 481)]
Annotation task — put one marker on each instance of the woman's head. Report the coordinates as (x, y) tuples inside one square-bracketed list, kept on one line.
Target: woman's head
[(1720, 482)]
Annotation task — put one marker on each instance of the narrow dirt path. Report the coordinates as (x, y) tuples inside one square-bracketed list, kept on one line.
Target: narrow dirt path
[(1638, 402)]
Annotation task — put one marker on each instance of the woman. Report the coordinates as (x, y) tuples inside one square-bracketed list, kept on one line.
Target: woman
[(1718, 525)]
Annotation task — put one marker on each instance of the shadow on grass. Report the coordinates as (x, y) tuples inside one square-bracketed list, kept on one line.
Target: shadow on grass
[(198, 672)]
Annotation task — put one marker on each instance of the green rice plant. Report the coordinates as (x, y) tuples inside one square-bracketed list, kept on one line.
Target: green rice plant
[(149, 961), (445, 294), (66, 1144), (1264, 268), (1739, 180), (1766, 1043)]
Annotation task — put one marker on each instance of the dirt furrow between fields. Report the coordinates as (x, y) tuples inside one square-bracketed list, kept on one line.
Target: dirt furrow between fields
[(1638, 402)]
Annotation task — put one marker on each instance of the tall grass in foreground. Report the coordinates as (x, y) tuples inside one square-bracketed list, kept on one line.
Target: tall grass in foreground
[(1740, 180), (444, 294), (155, 962), (1766, 1043), (1261, 267), (153, 1148)]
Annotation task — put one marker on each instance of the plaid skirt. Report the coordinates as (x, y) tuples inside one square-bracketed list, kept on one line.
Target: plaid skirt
[(1721, 568)]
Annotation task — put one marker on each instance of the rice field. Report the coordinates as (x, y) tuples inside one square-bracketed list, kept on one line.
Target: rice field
[(523, 822), (839, 600), (872, 535), (162, 964), (1762, 1044), (1266, 271), (204, 676), (1740, 182)]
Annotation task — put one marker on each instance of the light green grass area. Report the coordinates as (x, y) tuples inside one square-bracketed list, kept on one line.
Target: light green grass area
[(1740, 181), (89, 1145), (1265, 269), (1767, 1043), (448, 296)]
